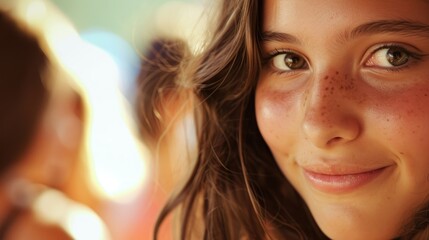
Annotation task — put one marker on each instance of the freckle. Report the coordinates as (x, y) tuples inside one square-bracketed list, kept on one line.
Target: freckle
[(387, 119), (327, 88), (346, 76), (338, 105), (326, 77), (323, 114), (402, 153), (336, 72)]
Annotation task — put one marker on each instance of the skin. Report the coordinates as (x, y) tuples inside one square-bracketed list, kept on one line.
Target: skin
[(348, 113)]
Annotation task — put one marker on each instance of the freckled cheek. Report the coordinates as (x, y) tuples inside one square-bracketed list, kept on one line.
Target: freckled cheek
[(404, 122), (275, 117), (407, 136)]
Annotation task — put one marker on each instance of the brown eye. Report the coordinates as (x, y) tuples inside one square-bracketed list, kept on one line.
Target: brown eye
[(389, 57), (397, 56), (289, 61)]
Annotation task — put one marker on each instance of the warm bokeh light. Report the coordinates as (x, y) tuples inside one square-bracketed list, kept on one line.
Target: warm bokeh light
[(124, 55), (35, 10), (85, 225), (183, 20), (117, 161), (130, 192), (76, 219)]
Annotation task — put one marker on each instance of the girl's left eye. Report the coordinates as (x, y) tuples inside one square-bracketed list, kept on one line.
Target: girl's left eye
[(390, 57)]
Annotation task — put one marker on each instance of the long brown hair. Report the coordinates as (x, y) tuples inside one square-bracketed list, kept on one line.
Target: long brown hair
[(236, 188)]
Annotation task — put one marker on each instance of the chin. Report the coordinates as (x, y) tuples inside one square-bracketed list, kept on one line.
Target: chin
[(338, 231)]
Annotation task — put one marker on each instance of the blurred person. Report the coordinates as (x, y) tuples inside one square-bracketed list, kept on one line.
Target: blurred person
[(175, 34), (170, 141), (41, 141)]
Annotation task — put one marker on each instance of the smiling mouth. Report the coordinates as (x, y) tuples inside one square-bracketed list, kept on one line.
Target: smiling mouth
[(341, 183)]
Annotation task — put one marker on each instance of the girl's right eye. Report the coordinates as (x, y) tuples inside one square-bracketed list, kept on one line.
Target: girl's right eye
[(288, 61)]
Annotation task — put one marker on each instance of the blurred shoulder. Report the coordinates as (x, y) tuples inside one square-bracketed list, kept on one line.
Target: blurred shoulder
[(26, 226)]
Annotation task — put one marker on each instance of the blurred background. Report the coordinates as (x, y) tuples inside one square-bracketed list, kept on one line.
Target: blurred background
[(100, 43), (122, 28)]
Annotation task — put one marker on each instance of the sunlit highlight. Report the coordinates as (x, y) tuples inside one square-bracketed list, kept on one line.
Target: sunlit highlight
[(183, 20), (122, 53), (35, 10), (118, 168), (78, 220)]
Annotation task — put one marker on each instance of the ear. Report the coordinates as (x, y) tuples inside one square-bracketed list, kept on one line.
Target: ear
[(55, 149), (69, 127), (65, 141)]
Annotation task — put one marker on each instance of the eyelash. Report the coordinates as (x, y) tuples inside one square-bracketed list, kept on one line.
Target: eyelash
[(413, 56), (268, 58)]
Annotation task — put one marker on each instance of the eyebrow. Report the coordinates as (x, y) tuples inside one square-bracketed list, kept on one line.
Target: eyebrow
[(269, 36), (400, 27)]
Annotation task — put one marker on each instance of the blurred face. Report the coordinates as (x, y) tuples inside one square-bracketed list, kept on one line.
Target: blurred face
[(343, 104)]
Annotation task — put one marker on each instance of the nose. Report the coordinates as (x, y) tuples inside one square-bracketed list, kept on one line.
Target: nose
[(330, 116)]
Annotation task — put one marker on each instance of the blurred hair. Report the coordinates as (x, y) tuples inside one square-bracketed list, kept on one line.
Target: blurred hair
[(417, 227), (23, 94), (236, 188), (157, 82)]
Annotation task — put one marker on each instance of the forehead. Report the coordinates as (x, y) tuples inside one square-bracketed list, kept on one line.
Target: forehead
[(314, 15)]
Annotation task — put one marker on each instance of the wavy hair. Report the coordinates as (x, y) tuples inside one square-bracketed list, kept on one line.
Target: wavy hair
[(236, 190)]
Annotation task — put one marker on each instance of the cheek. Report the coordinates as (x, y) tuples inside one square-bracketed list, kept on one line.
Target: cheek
[(276, 117), (403, 123), (405, 131)]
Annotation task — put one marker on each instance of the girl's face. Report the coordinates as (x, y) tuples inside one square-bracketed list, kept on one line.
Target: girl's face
[(343, 104)]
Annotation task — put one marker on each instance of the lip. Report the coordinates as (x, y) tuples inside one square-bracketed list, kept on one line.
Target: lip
[(343, 182)]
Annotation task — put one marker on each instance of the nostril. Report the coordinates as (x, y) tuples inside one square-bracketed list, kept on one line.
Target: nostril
[(335, 140)]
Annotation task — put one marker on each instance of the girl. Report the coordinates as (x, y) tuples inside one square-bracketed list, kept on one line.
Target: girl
[(312, 122)]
